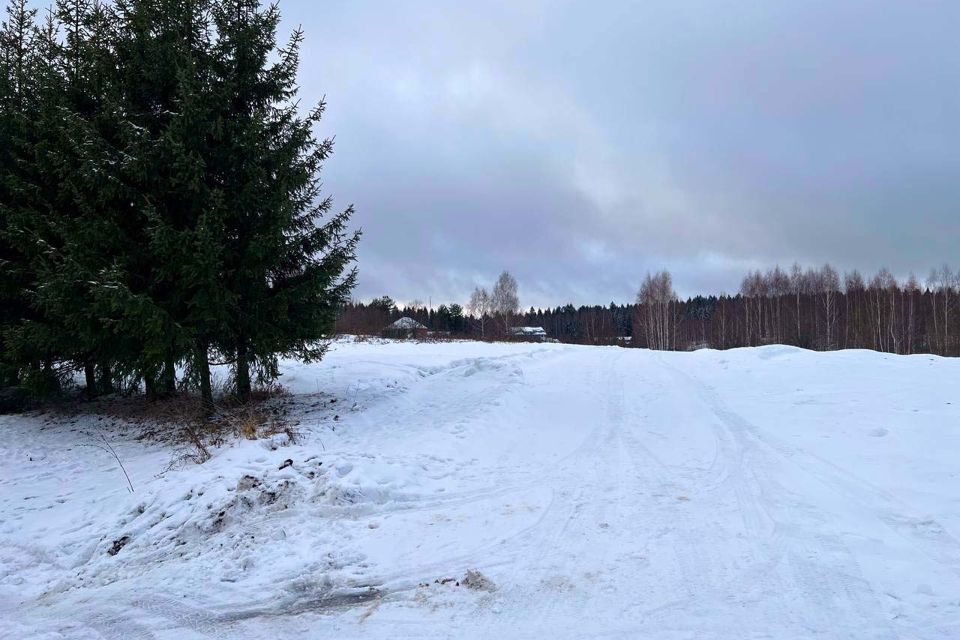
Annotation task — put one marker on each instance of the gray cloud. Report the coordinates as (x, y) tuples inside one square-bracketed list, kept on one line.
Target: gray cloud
[(580, 145)]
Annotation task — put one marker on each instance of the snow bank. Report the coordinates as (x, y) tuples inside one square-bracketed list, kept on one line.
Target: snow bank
[(515, 490)]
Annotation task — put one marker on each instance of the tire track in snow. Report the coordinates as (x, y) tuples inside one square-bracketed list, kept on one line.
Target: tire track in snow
[(688, 516), (864, 497), (535, 584), (819, 565), (591, 540)]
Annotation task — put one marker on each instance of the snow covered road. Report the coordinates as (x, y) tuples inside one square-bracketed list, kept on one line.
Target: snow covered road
[(589, 492)]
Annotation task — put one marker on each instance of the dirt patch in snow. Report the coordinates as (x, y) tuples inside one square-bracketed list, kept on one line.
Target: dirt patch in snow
[(475, 580), (117, 545)]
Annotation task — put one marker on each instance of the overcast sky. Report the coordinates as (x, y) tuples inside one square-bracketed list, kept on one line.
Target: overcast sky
[(581, 144)]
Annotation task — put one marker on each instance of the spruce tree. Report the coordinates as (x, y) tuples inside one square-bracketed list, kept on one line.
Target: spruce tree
[(160, 197), (286, 271), (14, 44), (75, 222), (163, 56), (73, 212), (24, 185)]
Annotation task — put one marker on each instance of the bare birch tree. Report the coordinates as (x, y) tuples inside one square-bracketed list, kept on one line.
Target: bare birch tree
[(779, 287), (942, 282), (829, 290), (504, 301), (797, 286), (911, 290), (656, 296), (479, 307), (853, 287)]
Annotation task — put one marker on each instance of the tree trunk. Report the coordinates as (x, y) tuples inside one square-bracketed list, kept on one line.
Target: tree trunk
[(106, 379), (799, 341), (203, 365), (150, 386), (243, 373), (169, 382), (89, 374)]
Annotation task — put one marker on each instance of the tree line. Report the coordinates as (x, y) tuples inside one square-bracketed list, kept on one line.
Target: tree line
[(160, 200), (813, 308), (488, 314), (824, 310)]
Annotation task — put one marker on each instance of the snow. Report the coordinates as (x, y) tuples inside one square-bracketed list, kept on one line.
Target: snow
[(470, 490)]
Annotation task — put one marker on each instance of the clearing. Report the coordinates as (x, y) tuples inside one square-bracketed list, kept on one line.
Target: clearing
[(471, 490)]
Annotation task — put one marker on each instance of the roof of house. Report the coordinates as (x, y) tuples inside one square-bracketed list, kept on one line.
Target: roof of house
[(528, 331), (406, 323)]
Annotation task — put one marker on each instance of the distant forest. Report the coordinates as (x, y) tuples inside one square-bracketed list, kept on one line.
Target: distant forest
[(810, 308)]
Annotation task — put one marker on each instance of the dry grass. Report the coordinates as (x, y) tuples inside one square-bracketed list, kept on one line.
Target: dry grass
[(184, 420), (249, 425)]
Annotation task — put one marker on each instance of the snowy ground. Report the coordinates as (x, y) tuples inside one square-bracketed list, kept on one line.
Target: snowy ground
[(590, 492)]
